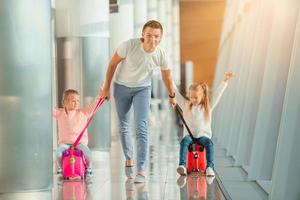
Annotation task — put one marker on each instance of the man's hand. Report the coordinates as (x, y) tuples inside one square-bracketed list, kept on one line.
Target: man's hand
[(173, 102), (104, 93)]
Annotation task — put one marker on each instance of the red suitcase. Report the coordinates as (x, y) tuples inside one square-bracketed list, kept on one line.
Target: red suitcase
[(196, 158)]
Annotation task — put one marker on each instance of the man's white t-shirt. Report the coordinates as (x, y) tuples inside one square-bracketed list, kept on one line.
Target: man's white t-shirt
[(137, 67)]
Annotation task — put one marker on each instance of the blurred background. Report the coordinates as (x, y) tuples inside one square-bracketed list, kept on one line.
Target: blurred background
[(47, 46)]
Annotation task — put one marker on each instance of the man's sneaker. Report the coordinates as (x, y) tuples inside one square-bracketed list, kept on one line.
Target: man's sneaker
[(129, 171), (89, 172), (181, 170), (209, 172), (59, 171), (142, 191), (139, 179), (129, 184)]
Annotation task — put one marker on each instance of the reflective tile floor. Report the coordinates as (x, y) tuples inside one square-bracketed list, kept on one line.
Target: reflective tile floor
[(109, 182)]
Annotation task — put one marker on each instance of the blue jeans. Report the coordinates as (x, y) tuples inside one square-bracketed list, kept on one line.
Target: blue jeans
[(139, 97), (204, 141)]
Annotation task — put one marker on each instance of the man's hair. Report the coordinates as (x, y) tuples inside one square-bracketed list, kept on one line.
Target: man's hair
[(153, 24)]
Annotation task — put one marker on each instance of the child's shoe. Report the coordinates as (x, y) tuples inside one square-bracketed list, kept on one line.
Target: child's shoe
[(209, 172), (59, 171), (89, 172), (181, 170), (181, 181), (210, 179)]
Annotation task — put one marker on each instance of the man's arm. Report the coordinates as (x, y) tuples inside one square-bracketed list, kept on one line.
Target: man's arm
[(115, 60), (167, 78)]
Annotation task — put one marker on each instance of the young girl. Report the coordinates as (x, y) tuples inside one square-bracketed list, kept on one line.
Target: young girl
[(71, 120), (197, 114)]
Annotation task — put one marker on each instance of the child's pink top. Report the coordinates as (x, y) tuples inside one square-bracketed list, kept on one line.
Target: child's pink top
[(70, 125)]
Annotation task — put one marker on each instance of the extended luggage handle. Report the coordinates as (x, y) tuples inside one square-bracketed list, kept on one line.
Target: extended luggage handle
[(99, 103), (179, 112)]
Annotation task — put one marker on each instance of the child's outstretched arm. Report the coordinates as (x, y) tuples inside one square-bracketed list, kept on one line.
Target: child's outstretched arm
[(228, 76), (56, 112), (88, 110), (220, 89)]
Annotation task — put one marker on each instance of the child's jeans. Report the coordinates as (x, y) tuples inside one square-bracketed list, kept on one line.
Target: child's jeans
[(204, 141), (85, 150)]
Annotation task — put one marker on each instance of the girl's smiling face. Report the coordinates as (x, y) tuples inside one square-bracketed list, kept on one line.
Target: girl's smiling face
[(72, 102), (195, 96)]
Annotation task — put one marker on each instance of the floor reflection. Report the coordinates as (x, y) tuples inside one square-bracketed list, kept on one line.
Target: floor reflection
[(136, 190), (197, 186), (73, 189)]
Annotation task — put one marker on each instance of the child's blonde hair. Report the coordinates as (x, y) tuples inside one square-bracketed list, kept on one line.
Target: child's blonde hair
[(67, 93), (204, 103)]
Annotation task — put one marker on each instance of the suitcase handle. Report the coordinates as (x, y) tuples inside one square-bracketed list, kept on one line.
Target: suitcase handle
[(179, 112), (99, 103)]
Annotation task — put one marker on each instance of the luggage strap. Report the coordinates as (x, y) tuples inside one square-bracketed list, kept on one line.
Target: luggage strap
[(179, 112), (99, 103)]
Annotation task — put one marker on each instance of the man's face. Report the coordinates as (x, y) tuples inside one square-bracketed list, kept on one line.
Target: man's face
[(152, 37)]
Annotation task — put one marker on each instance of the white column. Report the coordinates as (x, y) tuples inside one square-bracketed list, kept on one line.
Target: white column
[(249, 21), (286, 172), (169, 28), (121, 24), (81, 18), (273, 89), (162, 18), (219, 112), (176, 41), (227, 50), (152, 9), (254, 81), (25, 97), (233, 64), (140, 16)]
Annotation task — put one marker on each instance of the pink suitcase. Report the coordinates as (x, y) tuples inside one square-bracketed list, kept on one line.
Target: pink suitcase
[(73, 164)]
